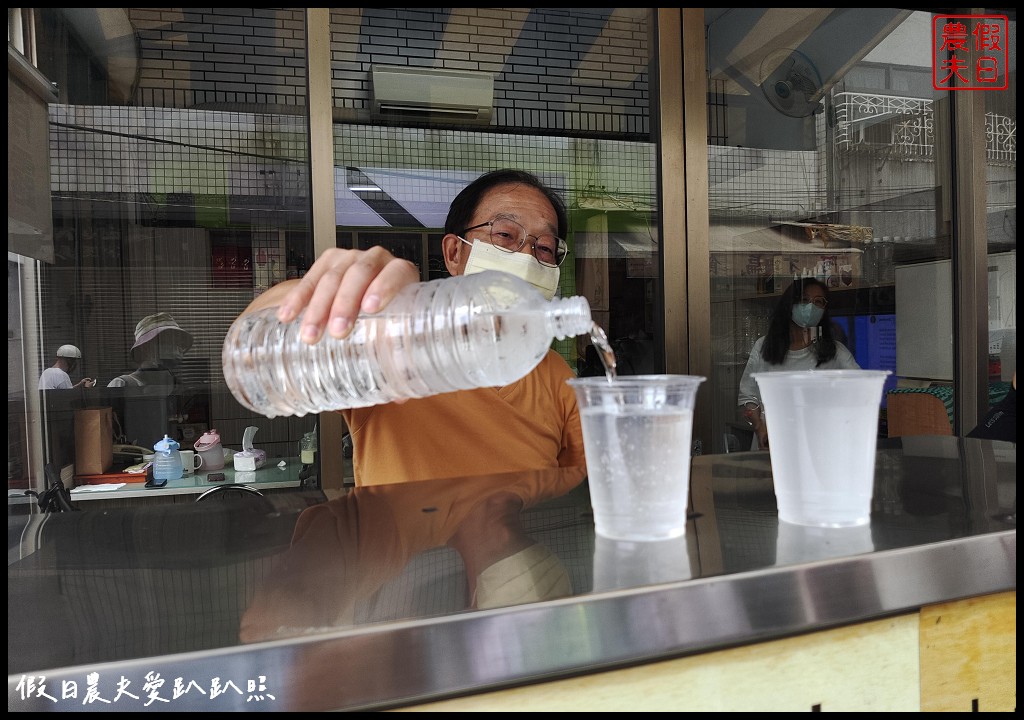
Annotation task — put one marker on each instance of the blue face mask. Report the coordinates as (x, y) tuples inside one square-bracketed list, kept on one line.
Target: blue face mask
[(807, 315)]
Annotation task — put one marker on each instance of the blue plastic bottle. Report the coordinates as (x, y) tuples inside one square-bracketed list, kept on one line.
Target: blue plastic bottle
[(167, 463)]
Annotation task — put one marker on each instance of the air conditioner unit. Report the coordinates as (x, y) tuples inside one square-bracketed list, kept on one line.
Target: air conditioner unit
[(432, 94)]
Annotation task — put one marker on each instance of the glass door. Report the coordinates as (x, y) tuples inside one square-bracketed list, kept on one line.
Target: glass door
[(831, 159)]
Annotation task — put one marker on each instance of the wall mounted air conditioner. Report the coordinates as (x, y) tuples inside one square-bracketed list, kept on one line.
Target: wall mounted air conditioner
[(432, 94)]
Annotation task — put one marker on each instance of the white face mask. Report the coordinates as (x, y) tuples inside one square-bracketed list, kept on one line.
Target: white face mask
[(485, 256)]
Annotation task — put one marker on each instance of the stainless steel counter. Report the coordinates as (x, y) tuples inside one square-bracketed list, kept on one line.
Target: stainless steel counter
[(370, 606)]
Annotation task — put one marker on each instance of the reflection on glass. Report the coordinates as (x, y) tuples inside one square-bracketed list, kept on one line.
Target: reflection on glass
[(176, 197), (624, 564), (806, 543), (344, 551), (1001, 226), (830, 157)]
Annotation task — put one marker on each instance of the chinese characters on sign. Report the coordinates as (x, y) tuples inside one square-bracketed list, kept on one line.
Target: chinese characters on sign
[(970, 52), (152, 689)]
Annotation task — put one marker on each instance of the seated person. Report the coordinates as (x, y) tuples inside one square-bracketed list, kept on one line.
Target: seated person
[(531, 424), (800, 337)]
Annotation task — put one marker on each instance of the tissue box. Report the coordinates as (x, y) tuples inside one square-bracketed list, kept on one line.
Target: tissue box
[(249, 460)]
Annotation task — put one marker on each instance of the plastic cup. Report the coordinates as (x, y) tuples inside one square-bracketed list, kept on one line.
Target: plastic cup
[(822, 435), (637, 432)]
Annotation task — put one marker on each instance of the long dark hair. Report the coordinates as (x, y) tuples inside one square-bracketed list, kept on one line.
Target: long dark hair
[(776, 343), (464, 205)]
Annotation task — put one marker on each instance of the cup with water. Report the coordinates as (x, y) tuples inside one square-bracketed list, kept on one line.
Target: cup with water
[(637, 433), (823, 434)]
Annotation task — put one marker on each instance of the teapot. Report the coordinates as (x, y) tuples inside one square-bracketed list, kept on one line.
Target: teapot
[(209, 448), (167, 462)]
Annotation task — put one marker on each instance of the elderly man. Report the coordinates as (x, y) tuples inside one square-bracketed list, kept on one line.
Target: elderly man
[(507, 220)]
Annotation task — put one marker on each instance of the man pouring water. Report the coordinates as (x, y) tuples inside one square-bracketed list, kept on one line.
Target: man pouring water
[(504, 220)]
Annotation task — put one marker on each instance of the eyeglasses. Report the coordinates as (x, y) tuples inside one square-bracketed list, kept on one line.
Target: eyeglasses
[(510, 236), (819, 301)]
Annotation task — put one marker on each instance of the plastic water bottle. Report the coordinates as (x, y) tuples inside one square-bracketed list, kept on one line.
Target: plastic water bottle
[(482, 330), (167, 461)]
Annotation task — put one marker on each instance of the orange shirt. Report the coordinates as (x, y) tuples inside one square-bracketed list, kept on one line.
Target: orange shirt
[(531, 424)]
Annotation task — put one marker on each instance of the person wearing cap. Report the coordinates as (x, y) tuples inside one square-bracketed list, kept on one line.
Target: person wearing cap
[(159, 346), (58, 375)]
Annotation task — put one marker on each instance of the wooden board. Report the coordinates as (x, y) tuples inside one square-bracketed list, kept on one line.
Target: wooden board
[(969, 655), (869, 667)]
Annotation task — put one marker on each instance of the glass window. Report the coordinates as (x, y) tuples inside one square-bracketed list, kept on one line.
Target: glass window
[(830, 158), (172, 146), (1001, 224), (461, 91)]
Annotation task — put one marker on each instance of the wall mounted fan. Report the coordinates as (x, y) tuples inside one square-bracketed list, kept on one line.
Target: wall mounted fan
[(791, 83)]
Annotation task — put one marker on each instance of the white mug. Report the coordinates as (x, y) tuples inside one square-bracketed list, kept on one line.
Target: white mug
[(190, 461)]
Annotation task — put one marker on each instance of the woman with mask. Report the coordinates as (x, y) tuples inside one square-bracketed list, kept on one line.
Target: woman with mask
[(505, 220), (800, 337)]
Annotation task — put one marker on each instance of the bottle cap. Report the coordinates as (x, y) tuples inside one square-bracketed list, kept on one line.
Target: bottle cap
[(166, 445)]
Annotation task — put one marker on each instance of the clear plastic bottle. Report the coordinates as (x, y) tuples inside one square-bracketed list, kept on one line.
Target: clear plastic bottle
[(167, 461), (307, 448), (482, 330)]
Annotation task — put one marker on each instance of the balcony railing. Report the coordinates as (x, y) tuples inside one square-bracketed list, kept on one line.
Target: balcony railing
[(904, 127)]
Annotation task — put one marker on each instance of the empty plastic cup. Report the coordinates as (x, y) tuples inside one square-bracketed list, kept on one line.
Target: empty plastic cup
[(822, 436), (637, 432)]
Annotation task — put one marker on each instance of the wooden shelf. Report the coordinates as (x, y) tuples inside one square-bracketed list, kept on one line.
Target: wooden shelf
[(874, 299)]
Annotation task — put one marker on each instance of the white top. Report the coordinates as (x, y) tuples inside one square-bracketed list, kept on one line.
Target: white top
[(53, 378), (804, 359), (143, 377)]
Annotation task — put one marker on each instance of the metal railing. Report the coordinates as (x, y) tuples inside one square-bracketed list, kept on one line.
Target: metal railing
[(904, 126)]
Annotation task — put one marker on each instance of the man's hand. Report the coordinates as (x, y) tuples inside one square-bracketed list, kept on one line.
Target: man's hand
[(339, 285)]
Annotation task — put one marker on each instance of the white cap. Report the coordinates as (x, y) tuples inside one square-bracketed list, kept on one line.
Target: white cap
[(69, 351)]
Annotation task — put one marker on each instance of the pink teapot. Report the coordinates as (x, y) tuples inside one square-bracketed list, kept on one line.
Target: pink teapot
[(209, 448)]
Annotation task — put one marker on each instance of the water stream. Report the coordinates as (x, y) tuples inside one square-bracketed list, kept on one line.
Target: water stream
[(604, 351)]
